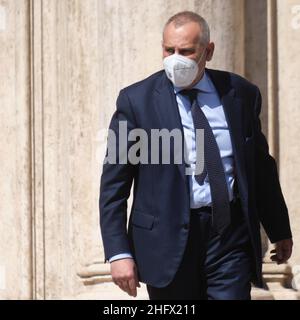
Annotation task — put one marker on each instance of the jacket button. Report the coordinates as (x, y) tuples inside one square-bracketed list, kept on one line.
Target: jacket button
[(186, 226)]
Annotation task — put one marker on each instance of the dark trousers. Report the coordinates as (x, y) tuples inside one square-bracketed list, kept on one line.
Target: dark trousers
[(213, 267)]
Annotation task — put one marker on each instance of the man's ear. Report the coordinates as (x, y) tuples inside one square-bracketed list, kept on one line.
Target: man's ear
[(210, 51)]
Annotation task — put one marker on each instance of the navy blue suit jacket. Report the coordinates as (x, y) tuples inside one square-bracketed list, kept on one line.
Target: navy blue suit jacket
[(157, 229)]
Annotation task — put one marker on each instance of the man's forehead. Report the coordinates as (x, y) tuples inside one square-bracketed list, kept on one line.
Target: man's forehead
[(179, 45), (180, 42), (185, 35)]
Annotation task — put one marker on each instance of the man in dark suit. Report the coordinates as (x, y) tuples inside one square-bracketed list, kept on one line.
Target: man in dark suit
[(192, 234)]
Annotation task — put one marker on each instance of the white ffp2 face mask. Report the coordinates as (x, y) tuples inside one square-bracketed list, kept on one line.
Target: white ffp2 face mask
[(181, 70)]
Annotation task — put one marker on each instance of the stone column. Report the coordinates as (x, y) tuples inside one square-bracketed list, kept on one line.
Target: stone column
[(73, 111), (15, 146), (288, 17), (257, 51)]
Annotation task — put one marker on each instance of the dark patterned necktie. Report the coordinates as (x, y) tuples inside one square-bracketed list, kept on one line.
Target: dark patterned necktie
[(213, 166)]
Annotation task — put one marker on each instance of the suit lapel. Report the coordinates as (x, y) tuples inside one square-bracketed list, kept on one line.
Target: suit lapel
[(166, 105), (168, 114), (233, 109)]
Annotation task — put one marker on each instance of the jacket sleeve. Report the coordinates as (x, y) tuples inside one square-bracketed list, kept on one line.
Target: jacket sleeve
[(116, 182), (271, 205)]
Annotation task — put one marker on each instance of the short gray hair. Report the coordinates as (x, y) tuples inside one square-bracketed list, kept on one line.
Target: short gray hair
[(183, 17)]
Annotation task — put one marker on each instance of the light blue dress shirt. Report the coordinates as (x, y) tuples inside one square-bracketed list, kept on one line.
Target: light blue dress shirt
[(209, 101), (210, 104)]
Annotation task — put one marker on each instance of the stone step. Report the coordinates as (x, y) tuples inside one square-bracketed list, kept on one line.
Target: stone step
[(109, 291), (99, 285)]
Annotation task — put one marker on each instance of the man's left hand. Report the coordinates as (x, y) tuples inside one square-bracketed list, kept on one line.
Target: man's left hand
[(282, 251)]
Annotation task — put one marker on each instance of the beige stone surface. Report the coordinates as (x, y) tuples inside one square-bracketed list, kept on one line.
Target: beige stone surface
[(289, 115), (99, 285), (15, 152), (109, 291), (62, 64)]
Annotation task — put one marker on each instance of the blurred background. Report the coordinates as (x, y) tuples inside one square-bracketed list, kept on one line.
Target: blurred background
[(62, 64)]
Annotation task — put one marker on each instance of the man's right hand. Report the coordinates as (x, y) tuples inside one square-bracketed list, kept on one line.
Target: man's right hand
[(124, 274)]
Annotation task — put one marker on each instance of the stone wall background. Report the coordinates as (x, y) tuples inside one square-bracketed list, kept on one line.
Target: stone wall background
[(62, 64)]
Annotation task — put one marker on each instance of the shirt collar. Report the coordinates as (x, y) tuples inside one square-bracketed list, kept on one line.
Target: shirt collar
[(204, 85)]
